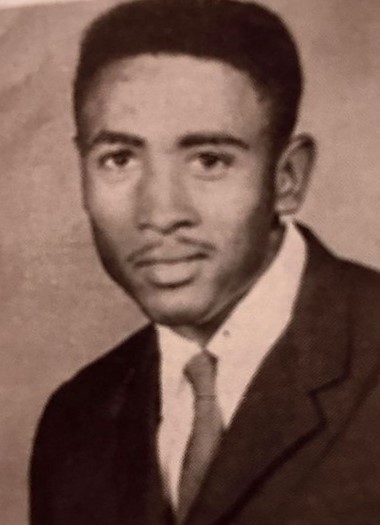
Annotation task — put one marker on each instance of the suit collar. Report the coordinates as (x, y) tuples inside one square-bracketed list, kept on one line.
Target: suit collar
[(139, 483), (320, 327), (283, 409)]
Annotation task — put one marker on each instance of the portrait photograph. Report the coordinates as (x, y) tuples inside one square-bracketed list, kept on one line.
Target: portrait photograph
[(189, 262)]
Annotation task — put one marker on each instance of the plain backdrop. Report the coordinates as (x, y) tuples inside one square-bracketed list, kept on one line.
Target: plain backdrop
[(58, 310)]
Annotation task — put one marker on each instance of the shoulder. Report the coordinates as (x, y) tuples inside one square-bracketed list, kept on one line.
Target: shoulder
[(80, 415), (93, 383), (363, 285), (361, 282), (358, 276), (357, 284)]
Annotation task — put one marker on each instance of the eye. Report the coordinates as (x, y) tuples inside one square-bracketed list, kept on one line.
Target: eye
[(117, 160), (211, 163), (211, 160)]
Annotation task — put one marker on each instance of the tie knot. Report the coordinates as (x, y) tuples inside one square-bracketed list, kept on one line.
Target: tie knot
[(201, 373)]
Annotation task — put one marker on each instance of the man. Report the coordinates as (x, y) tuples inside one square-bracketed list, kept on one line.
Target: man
[(252, 397)]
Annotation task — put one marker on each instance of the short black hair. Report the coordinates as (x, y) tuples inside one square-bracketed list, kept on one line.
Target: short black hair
[(243, 34)]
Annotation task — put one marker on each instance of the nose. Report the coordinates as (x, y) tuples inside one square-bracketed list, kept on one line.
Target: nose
[(163, 201)]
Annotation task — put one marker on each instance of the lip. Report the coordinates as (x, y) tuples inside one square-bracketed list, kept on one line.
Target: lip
[(171, 272), (168, 260)]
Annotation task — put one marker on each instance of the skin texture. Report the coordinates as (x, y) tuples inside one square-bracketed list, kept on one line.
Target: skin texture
[(180, 186)]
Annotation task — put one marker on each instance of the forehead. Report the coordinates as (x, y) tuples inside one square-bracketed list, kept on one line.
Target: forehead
[(158, 94)]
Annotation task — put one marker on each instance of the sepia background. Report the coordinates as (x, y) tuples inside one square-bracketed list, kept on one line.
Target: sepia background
[(58, 310)]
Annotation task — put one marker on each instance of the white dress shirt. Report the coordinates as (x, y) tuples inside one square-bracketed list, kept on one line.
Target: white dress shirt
[(240, 345)]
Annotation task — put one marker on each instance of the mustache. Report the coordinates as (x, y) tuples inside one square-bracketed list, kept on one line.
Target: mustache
[(182, 247)]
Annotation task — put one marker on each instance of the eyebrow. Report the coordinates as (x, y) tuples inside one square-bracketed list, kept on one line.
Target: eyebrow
[(116, 137), (214, 139)]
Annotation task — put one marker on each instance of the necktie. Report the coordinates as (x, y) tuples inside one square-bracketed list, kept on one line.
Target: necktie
[(206, 431)]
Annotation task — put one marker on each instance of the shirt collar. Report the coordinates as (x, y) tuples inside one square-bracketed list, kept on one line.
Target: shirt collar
[(267, 307)]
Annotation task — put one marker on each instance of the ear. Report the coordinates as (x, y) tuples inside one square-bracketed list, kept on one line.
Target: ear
[(292, 175), (80, 153)]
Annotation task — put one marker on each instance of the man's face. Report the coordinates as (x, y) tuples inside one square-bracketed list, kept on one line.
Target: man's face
[(177, 183)]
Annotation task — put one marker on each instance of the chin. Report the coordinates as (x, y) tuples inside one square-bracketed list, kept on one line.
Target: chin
[(169, 312), (174, 317)]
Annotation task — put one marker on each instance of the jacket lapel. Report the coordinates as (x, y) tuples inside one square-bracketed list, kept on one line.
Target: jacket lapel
[(283, 410), (141, 494)]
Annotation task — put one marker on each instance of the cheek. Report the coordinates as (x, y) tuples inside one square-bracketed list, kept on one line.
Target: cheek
[(239, 224), (229, 215), (111, 208), (233, 200), (111, 215)]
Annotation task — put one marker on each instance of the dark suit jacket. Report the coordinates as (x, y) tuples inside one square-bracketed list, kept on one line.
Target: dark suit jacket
[(303, 448)]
